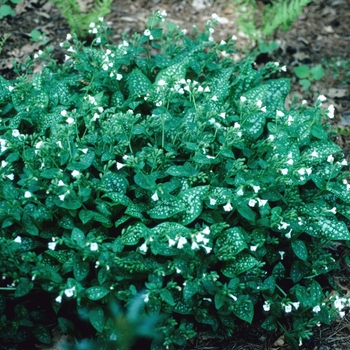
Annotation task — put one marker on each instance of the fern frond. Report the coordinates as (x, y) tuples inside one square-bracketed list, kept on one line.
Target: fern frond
[(282, 14)]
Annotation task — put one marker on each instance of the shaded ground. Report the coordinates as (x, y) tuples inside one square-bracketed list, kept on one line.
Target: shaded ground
[(320, 35)]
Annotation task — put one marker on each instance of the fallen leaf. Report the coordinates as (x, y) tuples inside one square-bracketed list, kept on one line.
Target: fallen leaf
[(334, 92)]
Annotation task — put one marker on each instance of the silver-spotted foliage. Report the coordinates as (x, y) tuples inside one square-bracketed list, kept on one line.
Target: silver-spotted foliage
[(163, 174)]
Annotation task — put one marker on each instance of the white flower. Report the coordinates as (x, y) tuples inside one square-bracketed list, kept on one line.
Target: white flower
[(252, 202), (15, 133), (212, 201), (214, 98), (199, 237), (330, 159), (207, 249), (281, 253), (3, 163), (316, 309), (284, 68), (289, 120), (344, 162), (10, 88), (240, 192), (276, 64), (289, 234), (253, 248), (222, 42), (233, 37), (171, 242), (279, 113), (93, 246), (162, 82), (296, 305), (155, 197), (64, 113), (18, 239), (228, 207), (182, 241), (314, 154), (70, 120), (61, 197), (38, 144), (95, 117), (207, 89), (85, 150), (194, 246), (233, 297), (236, 126), (144, 247), (271, 137), (159, 103), (69, 292), (301, 171), (52, 245), (60, 183), (283, 225), (222, 115), (284, 171), (146, 298), (59, 299), (288, 308), (290, 161), (266, 306), (259, 103), (75, 173), (206, 230), (10, 176), (261, 202), (263, 109), (27, 194), (304, 102), (59, 144), (243, 99), (322, 98), (333, 210), (308, 171), (119, 77), (120, 165), (330, 111), (147, 32), (105, 67)]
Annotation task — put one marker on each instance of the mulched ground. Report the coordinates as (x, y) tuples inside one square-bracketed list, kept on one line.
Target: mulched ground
[(320, 35)]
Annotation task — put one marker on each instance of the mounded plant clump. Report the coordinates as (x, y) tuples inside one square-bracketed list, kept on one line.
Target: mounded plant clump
[(160, 185)]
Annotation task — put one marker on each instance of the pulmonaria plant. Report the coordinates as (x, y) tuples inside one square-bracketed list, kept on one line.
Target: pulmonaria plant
[(162, 168)]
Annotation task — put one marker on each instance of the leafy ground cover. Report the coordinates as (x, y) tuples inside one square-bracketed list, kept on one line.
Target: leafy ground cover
[(340, 250)]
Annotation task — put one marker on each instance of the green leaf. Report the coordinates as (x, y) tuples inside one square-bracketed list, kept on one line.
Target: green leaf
[(244, 310), (97, 318), (118, 198), (244, 262), (316, 292), (78, 236), (174, 72), (84, 163), (232, 238), (247, 212), (192, 198), (166, 208), (317, 72), (138, 83), (133, 233), (299, 249), (330, 228), (29, 226), (96, 293), (6, 10), (65, 325), (302, 71), (113, 182), (297, 271), (41, 333), (85, 215), (81, 269), (190, 289), (23, 287), (167, 297), (49, 173)]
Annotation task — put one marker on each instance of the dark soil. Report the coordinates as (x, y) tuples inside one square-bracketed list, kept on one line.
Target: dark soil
[(320, 35)]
